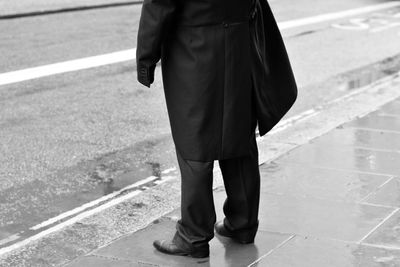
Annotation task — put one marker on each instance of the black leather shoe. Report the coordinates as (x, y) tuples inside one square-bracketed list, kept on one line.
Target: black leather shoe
[(169, 247), (245, 236)]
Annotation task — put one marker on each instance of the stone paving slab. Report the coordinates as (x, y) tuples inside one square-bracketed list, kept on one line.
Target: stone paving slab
[(382, 122), (363, 138), (391, 108), (96, 261), (319, 217), (388, 234), (347, 158), (138, 249), (295, 179), (305, 251), (312, 215), (388, 194)]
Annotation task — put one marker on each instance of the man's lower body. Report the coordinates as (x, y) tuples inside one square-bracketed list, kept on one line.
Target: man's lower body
[(196, 226)]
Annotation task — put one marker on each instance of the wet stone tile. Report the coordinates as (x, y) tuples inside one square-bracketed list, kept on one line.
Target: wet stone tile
[(94, 261), (138, 248), (388, 194), (376, 121), (391, 108), (300, 180), (361, 138), (318, 217), (313, 252), (346, 158), (388, 234)]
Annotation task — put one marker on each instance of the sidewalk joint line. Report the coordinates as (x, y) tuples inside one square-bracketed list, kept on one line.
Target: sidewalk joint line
[(373, 129), (311, 165), (272, 250), (377, 189), (380, 246), (374, 149), (379, 225), (376, 205), (334, 168)]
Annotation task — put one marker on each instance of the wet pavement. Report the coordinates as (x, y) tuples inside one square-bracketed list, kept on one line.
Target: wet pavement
[(332, 202), (70, 139)]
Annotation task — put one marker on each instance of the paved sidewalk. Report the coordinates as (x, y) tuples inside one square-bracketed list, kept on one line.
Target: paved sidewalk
[(332, 202)]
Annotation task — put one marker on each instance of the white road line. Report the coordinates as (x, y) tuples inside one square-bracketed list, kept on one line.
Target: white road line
[(67, 66), (77, 218), (130, 54), (91, 204), (337, 15), (68, 222)]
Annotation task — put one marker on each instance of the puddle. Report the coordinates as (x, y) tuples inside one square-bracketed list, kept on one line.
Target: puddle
[(371, 74), (344, 83)]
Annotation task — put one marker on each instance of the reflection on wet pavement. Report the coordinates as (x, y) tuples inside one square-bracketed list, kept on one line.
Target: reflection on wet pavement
[(332, 202), (340, 194), (309, 216), (310, 251), (306, 181), (377, 71), (347, 158), (223, 252)]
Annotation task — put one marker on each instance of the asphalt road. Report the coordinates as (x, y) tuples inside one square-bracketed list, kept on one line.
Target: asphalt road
[(68, 139)]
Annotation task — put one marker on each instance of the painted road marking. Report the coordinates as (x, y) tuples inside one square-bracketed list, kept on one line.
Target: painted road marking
[(336, 15), (77, 218), (130, 54), (373, 23), (68, 222), (67, 66), (101, 200), (91, 204)]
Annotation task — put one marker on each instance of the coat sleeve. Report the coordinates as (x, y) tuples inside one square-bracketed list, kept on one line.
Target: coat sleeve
[(155, 21)]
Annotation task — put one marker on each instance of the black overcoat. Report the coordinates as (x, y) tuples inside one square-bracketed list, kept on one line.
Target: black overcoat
[(223, 61)]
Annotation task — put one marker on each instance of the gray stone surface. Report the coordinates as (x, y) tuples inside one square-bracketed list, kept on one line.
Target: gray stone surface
[(318, 217), (138, 248), (295, 179), (347, 158), (388, 234), (96, 261), (315, 252), (388, 194)]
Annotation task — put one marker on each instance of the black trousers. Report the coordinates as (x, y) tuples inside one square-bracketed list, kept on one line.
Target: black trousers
[(242, 184)]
